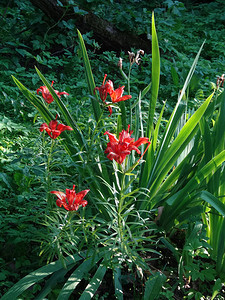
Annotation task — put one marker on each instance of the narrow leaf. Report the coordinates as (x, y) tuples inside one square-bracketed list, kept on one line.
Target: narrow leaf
[(90, 78), (94, 283), (213, 201), (117, 284), (155, 77), (36, 276)]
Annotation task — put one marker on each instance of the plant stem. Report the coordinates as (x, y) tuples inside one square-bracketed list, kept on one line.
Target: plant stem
[(128, 86), (120, 207), (48, 175)]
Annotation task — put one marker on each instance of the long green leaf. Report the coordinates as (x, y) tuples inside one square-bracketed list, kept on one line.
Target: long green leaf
[(117, 284), (169, 246), (90, 79), (178, 202), (145, 90), (152, 159), (94, 283), (157, 127), (52, 282), (36, 276), (183, 138), (45, 113), (77, 276), (171, 124), (155, 77), (213, 201), (207, 141), (186, 134)]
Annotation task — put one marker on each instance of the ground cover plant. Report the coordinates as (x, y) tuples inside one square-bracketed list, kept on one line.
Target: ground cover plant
[(140, 210)]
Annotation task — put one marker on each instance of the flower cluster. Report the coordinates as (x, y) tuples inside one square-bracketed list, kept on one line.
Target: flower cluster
[(118, 149), (115, 95), (70, 200), (46, 94)]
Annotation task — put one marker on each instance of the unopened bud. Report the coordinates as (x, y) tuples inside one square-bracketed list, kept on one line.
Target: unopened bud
[(131, 57), (220, 81), (137, 58), (120, 63)]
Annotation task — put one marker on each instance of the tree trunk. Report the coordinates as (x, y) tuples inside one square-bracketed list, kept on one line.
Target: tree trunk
[(105, 33)]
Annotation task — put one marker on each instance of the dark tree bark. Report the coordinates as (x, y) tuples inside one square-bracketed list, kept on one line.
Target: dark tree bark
[(105, 33)]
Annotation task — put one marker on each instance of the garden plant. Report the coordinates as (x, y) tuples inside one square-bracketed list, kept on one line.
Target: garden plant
[(124, 186)]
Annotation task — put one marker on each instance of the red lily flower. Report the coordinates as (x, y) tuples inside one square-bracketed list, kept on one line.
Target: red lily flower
[(116, 95), (119, 149), (70, 200), (104, 89), (54, 129), (46, 94)]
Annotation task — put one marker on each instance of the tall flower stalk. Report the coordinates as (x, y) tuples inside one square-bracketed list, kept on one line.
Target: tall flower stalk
[(53, 130), (48, 173)]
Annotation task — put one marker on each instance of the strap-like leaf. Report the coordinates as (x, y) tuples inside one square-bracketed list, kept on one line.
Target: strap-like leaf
[(90, 79), (155, 78), (173, 121), (36, 276), (77, 276), (178, 145), (52, 282), (179, 201), (117, 284), (213, 201), (94, 283)]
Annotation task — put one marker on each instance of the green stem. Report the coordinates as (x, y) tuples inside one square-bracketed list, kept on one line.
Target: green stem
[(128, 86), (121, 192), (120, 207), (48, 174)]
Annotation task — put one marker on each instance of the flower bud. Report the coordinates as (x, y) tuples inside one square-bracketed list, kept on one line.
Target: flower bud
[(131, 57), (220, 81), (120, 63)]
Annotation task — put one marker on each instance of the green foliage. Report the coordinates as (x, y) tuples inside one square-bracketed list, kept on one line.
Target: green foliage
[(154, 286), (114, 236)]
